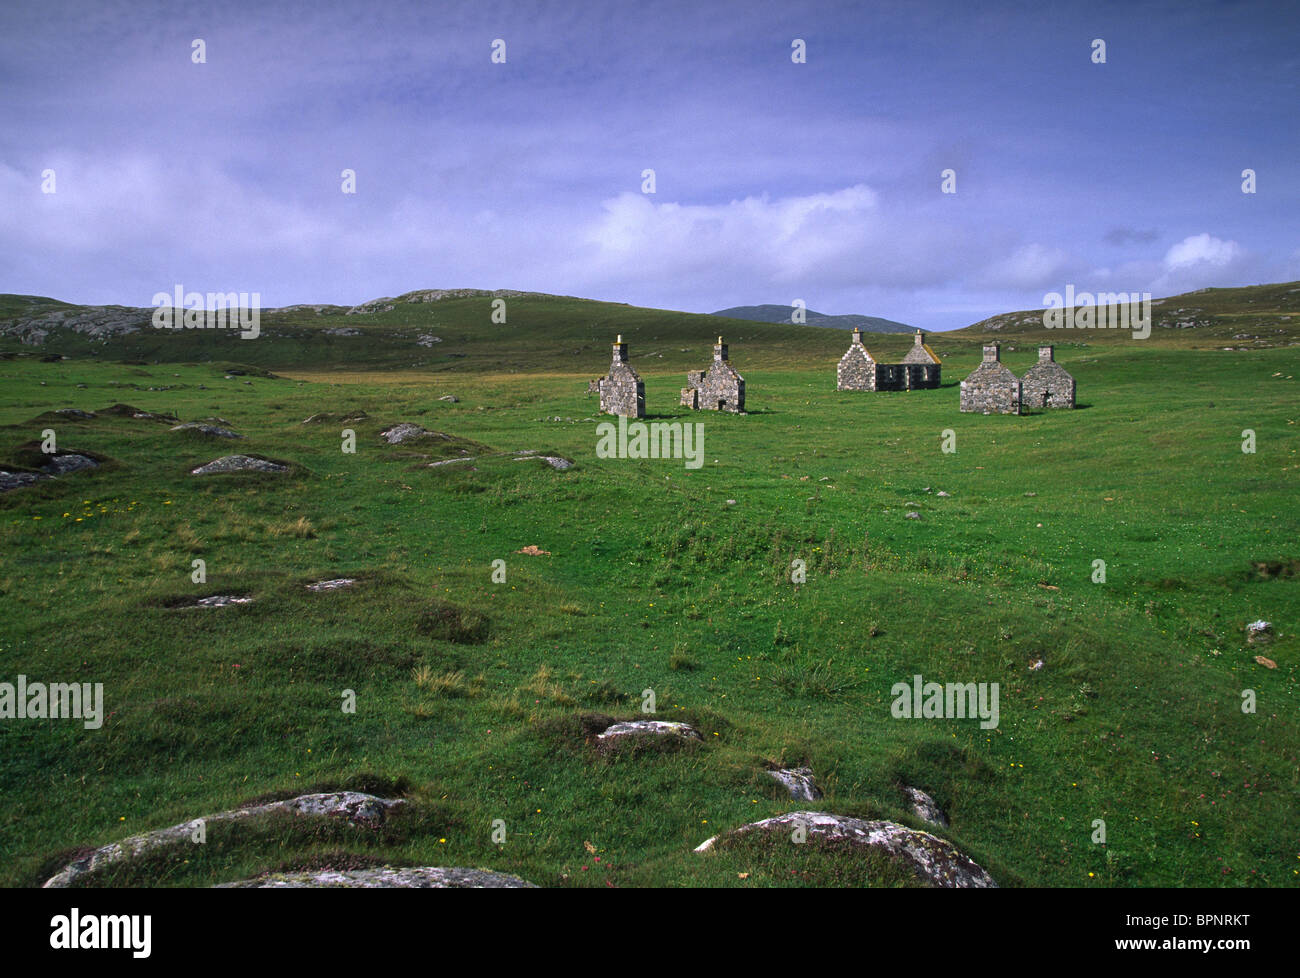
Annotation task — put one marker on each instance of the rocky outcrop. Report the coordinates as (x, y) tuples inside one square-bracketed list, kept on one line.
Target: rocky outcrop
[(238, 463), (799, 782), (350, 805), (211, 430), (925, 807), (384, 877), (936, 861), (633, 730)]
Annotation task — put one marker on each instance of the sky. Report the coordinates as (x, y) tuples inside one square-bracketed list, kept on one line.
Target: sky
[(774, 180)]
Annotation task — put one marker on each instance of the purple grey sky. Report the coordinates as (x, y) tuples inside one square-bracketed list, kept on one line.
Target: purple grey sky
[(775, 181)]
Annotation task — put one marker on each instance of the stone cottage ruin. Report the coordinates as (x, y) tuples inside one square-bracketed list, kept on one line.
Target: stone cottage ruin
[(621, 390), (720, 388), (922, 363), (859, 371), (991, 388), (1047, 384)]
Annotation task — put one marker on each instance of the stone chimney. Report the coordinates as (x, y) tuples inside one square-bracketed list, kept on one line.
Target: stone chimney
[(620, 350), (719, 350), (1045, 354), (992, 354), (857, 335), (919, 339)]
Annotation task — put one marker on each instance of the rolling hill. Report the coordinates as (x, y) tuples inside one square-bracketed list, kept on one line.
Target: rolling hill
[(781, 314)]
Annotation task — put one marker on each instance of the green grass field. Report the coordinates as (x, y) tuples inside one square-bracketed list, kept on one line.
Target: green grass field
[(470, 694)]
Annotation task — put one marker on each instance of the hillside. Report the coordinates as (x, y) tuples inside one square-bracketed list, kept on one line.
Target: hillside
[(452, 331), (1248, 318), (781, 314)]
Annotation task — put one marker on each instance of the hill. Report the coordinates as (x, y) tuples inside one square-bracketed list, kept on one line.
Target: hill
[(1247, 318), (781, 314)]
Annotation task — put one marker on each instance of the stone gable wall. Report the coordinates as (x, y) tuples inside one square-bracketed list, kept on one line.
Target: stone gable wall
[(720, 388), (621, 390), (991, 389), (1047, 385)]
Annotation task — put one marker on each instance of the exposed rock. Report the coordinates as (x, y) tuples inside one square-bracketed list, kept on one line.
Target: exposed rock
[(942, 494), (219, 601), (554, 461), (912, 516), (351, 805), (69, 462), (1259, 632), (383, 877), (427, 339), (406, 431), (341, 331), (648, 728), (936, 861), (75, 413), (334, 585), (450, 397), (799, 782), (206, 429), (925, 807), (17, 480), (238, 463)]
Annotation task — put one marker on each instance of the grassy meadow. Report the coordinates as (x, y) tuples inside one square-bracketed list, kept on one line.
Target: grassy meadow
[(471, 694)]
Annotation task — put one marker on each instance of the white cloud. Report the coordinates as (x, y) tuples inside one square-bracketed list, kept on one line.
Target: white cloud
[(1199, 248)]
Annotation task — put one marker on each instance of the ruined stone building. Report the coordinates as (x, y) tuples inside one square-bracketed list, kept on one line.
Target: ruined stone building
[(922, 363), (859, 371), (621, 390), (720, 388), (1047, 384), (991, 388)]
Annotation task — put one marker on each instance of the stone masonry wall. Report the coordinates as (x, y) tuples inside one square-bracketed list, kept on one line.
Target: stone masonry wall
[(621, 390), (720, 388), (991, 388), (1047, 384)]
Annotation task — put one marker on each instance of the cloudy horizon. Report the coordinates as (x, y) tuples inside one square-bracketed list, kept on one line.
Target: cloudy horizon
[(774, 180)]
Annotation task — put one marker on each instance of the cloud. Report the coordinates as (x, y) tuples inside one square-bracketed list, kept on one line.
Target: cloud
[(1202, 248)]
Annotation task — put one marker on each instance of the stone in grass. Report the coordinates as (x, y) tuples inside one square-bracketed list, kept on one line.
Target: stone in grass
[(406, 431), (798, 781), (554, 461), (451, 398), (1259, 632), (936, 861), (211, 430), (385, 877), (70, 462), (17, 480), (350, 805), (334, 585), (637, 729), (219, 601), (943, 495), (238, 463), (925, 807), (912, 516)]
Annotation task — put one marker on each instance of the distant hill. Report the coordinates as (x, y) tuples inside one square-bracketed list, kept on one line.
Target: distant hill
[(781, 314), (1250, 317)]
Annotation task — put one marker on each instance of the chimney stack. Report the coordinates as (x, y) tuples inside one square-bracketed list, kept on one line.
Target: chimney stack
[(1045, 354), (992, 353)]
